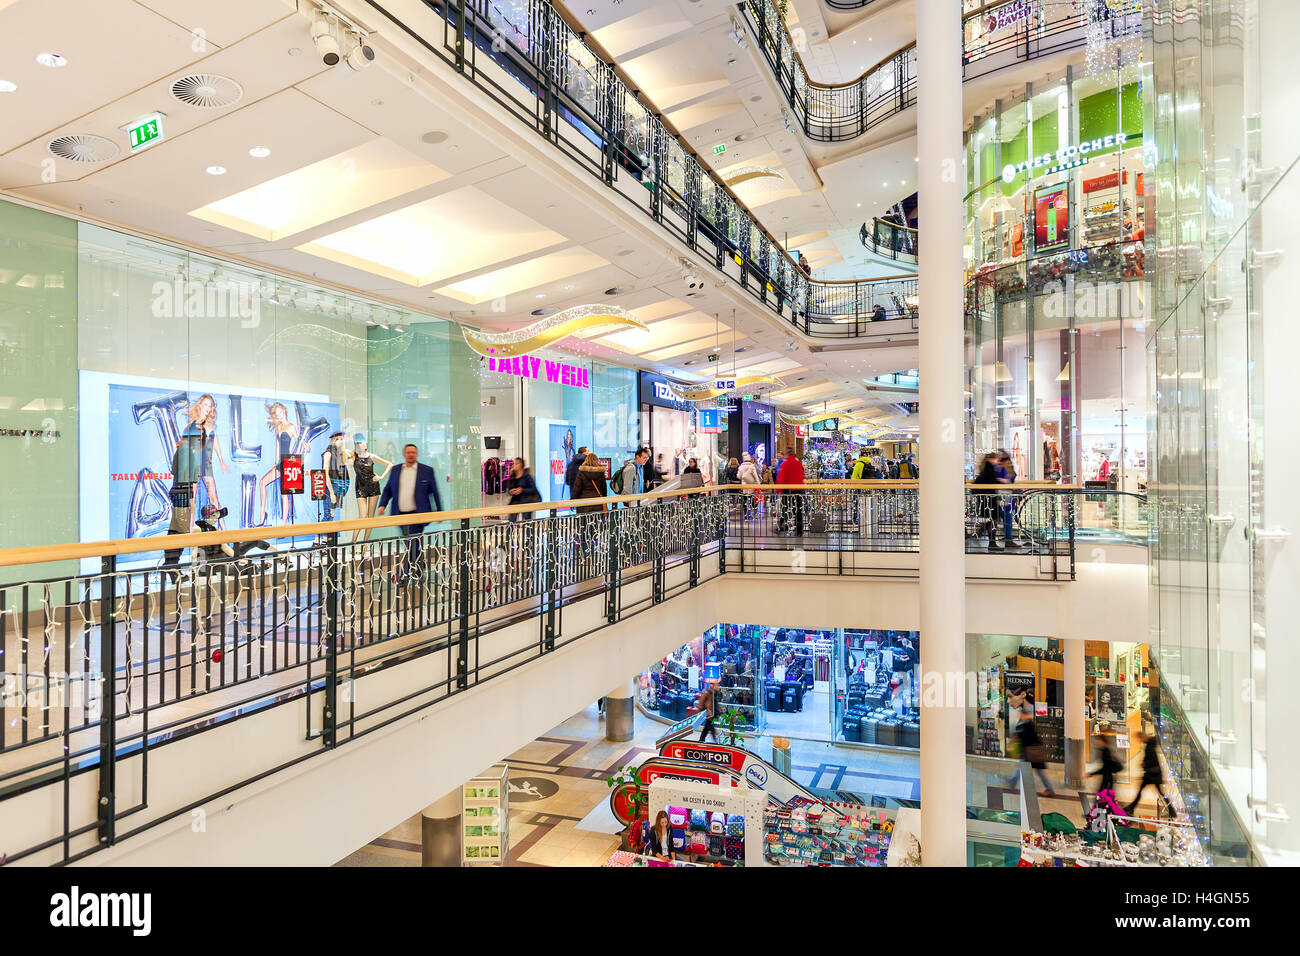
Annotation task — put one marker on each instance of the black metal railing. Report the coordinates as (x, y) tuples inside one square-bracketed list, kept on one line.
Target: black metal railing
[(101, 669), (848, 6), (524, 56), (994, 36), (889, 240)]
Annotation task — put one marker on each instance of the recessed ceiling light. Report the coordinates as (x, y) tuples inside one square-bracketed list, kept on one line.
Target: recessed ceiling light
[(434, 136), (541, 295), (625, 252), (260, 152), (8, 86), (216, 170), (569, 286), (755, 99), (51, 59), (296, 51)]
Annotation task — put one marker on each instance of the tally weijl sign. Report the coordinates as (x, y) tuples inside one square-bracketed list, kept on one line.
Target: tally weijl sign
[(1065, 158), (526, 366)]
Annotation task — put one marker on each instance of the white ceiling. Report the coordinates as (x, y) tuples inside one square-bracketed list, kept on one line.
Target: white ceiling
[(359, 199)]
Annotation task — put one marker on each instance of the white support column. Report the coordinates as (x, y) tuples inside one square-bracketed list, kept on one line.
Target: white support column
[(1075, 725), (943, 573)]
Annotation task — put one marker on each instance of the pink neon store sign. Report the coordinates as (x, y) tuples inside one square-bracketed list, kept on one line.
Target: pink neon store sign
[(526, 366)]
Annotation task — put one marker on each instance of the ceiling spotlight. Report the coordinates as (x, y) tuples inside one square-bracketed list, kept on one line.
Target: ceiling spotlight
[(8, 86), (361, 55), (327, 44), (260, 152), (216, 170), (51, 59)]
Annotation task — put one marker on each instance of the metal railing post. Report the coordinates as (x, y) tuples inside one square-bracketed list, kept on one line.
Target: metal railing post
[(463, 608), (657, 560), (460, 36), (106, 805), (693, 544), (611, 578), (332, 572), (550, 529)]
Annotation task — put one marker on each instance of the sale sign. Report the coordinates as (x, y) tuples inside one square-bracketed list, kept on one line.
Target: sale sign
[(318, 492), (291, 475)]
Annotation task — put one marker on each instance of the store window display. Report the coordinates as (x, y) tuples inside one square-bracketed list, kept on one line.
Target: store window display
[(368, 483), (1055, 292), (878, 701)]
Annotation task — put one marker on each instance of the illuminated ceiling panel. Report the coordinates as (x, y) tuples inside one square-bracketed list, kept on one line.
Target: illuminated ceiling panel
[(685, 348), (661, 335), (323, 191), (524, 275), (450, 235)]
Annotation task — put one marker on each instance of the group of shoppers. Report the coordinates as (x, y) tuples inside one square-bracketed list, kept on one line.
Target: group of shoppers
[(993, 507)]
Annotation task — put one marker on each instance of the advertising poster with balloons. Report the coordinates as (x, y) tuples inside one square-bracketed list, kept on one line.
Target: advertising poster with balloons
[(130, 427)]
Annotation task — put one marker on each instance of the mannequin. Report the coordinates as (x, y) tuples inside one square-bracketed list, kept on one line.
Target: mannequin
[(334, 462), (367, 483), (203, 414)]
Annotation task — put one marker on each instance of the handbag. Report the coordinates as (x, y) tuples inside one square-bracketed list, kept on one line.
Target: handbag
[(1036, 753)]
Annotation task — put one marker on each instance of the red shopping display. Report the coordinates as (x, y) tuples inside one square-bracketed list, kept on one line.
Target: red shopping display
[(291, 475)]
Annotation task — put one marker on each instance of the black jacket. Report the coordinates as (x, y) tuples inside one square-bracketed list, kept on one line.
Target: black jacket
[(571, 471), (528, 493)]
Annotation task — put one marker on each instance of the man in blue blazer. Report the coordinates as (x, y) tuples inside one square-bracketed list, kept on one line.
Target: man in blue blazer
[(410, 488)]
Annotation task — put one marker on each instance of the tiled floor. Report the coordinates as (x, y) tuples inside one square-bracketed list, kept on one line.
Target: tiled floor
[(572, 826)]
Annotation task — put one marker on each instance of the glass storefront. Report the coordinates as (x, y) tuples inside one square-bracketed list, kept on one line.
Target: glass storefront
[(672, 430), (116, 347), (1056, 305), (830, 685)]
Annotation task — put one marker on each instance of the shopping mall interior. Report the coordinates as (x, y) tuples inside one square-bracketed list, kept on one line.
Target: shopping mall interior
[(647, 433)]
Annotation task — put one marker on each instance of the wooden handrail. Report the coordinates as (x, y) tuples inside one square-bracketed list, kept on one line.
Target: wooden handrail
[(41, 554)]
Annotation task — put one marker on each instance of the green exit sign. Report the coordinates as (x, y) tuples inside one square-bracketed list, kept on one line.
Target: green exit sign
[(144, 132), (720, 148)]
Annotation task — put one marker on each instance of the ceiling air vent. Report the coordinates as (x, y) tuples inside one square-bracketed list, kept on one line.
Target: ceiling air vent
[(207, 91), (83, 148)]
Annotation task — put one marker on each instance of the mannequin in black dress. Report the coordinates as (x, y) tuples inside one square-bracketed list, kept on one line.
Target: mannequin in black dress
[(368, 483)]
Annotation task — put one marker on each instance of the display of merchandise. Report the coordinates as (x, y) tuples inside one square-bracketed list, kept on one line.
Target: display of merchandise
[(989, 736), (670, 687), (485, 820), (880, 702), (496, 471), (1118, 841), (706, 834), (799, 835)]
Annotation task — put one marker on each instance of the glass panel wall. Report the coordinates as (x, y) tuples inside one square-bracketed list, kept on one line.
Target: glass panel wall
[(118, 347), (1222, 142)]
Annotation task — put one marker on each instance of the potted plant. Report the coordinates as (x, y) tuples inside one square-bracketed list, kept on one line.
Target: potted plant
[(628, 799)]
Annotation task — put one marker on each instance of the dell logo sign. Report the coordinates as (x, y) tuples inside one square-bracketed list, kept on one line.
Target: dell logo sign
[(756, 775)]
